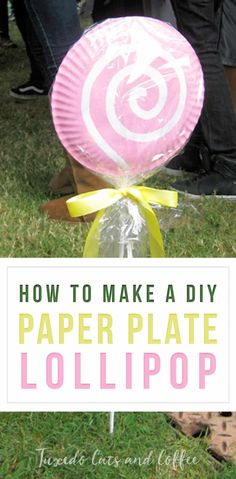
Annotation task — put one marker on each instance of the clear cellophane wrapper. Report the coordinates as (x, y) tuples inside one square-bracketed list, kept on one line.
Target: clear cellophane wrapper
[(122, 230), (125, 102)]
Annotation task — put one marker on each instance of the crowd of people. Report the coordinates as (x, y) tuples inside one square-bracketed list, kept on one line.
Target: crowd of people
[(49, 29)]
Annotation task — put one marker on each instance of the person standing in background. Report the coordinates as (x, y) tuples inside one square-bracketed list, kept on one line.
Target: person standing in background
[(216, 131), (39, 82)]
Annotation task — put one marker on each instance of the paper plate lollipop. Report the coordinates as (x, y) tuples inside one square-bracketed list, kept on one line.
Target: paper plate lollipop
[(125, 101)]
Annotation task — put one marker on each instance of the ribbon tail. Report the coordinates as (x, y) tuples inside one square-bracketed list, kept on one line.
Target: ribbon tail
[(155, 237), (91, 247), (156, 242)]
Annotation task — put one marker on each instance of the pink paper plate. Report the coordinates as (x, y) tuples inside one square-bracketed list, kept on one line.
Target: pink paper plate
[(127, 96)]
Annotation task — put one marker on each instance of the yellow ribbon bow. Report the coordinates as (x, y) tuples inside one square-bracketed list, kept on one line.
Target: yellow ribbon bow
[(99, 200)]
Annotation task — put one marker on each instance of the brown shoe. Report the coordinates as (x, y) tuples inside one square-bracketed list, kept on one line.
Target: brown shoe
[(57, 210), (82, 181), (63, 182)]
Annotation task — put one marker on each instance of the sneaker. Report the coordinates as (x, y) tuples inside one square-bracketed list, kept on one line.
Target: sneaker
[(28, 91), (209, 184), (189, 161)]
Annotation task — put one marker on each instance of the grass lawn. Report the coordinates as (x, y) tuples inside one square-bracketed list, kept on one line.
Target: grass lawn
[(30, 155)]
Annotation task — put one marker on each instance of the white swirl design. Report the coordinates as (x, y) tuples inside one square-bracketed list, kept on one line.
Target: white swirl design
[(156, 79)]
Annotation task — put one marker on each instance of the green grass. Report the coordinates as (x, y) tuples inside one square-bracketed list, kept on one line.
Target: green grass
[(30, 155), (136, 435)]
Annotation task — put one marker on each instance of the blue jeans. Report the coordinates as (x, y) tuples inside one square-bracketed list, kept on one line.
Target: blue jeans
[(197, 21), (57, 26), (38, 76)]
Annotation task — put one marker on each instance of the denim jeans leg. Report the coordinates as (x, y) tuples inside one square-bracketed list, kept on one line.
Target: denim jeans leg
[(39, 75), (196, 20), (56, 23)]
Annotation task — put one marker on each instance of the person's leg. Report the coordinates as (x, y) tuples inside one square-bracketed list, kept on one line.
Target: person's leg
[(107, 9), (57, 26), (162, 10), (196, 19), (227, 44), (134, 8), (84, 181), (38, 76), (104, 9)]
